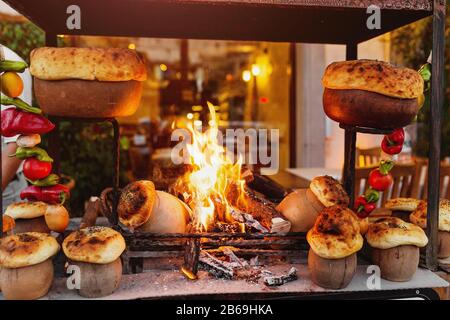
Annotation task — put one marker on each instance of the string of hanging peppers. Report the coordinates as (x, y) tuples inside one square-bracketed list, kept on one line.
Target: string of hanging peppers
[(380, 178), (27, 122)]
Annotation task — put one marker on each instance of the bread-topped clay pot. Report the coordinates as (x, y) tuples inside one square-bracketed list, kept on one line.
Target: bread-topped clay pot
[(395, 247), (334, 241), (419, 217), (96, 251), (26, 267), (145, 209), (302, 206), (371, 93), (87, 82), (38, 216)]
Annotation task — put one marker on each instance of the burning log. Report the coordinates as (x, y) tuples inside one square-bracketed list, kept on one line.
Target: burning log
[(261, 210), (248, 220), (191, 257), (234, 227), (280, 280), (234, 259), (216, 267), (280, 225)]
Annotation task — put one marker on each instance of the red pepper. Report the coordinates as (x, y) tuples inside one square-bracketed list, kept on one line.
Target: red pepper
[(18, 122), (393, 143), (54, 195), (360, 202), (362, 207)]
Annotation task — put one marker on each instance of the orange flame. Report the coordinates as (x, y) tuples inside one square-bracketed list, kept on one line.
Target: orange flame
[(213, 172)]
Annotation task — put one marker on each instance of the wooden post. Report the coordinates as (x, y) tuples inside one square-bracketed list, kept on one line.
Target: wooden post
[(437, 100)]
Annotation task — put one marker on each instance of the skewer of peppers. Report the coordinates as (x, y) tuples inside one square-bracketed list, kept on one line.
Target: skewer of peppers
[(26, 120)]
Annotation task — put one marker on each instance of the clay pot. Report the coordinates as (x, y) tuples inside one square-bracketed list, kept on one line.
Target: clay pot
[(301, 207), (27, 283), (99, 280), (331, 273), (368, 109), (444, 244), (88, 99), (398, 263), (31, 225), (169, 215)]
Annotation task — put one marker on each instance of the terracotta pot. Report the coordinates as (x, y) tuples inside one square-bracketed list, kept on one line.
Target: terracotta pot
[(88, 99), (99, 280), (301, 207), (331, 273), (444, 244), (27, 283), (368, 109), (398, 263), (31, 225)]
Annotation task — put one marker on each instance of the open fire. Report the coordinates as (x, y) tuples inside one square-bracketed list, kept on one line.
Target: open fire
[(213, 188)]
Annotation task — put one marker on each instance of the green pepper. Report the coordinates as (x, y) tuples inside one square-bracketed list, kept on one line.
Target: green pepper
[(50, 180), (372, 195), (19, 103), (16, 66), (425, 72), (39, 153)]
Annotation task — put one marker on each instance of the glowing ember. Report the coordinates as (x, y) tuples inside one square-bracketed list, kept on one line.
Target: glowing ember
[(213, 175)]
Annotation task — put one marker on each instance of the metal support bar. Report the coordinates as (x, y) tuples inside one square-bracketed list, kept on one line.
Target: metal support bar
[(437, 101), (54, 147), (350, 141), (116, 175)]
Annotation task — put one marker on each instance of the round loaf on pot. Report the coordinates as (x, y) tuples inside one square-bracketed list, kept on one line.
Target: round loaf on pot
[(390, 232), (371, 93), (374, 76), (100, 245), (136, 203), (329, 191), (102, 64), (87, 82), (336, 233), (26, 249), (26, 210), (403, 204), (419, 216)]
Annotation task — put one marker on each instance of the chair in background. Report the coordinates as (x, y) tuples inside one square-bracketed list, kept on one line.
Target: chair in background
[(368, 157), (402, 174), (420, 184)]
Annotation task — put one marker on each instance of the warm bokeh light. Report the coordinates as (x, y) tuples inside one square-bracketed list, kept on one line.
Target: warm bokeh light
[(190, 116), (163, 67), (256, 70), (246, 75), (132, 46)]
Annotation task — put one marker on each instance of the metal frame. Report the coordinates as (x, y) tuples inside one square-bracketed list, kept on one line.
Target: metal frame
[(264, 20)]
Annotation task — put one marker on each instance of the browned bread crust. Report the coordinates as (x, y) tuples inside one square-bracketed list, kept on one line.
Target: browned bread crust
[(390, 232), (329, 191), (136, 203), (419, 216), (375, 76), (336, 233), (109, 64), (26, 249), (403, 204), (94, 245)]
